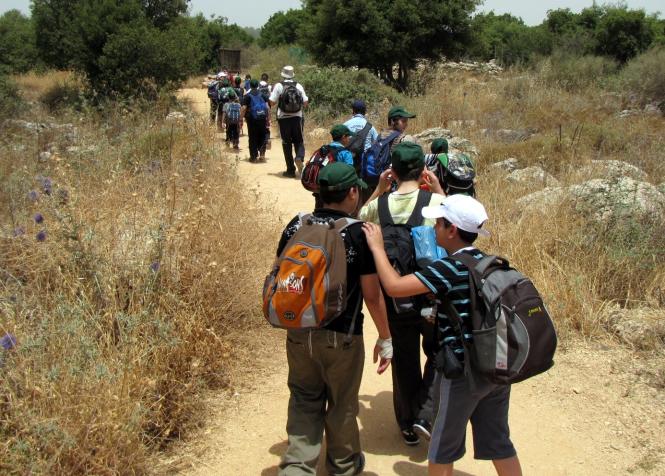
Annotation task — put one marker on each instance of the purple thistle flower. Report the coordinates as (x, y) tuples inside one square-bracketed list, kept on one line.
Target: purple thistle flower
[(41, 236), (8, 341), (19, 231), (39, 218), (47, 185), (33, 195), (154, 266)]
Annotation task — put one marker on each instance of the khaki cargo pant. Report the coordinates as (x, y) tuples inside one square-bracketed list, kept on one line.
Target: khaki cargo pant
[(324, 380)]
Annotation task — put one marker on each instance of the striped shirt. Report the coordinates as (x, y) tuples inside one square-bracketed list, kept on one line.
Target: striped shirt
[(400, 205), (449, 279)]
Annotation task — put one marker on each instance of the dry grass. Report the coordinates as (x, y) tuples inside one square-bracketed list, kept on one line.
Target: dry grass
[(33, 84), (138, 299)]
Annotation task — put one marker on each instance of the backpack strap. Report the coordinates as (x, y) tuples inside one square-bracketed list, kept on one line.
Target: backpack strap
[(385, 218), (417, 218), (342, 223), (393, 135), (362, 133)]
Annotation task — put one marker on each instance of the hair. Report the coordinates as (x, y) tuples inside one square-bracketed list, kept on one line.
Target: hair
[(359, 110), (264, 77), (466, 236), (334, 196), (413, 174), (238, 80), (248, 76)]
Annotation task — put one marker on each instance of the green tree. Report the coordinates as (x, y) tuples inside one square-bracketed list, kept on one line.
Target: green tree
[(386, 36), (215, 34), (283, 28), (623, 33), (18, 50)]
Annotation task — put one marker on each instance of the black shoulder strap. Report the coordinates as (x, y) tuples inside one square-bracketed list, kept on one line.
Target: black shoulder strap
[(364, 131), (416, 218), (385, 218)]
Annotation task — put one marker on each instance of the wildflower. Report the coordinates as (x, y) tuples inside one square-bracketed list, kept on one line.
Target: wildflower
[(41, 236), (8, 341), (19, 231), (154, 266), (47, 185), (39, 218), (33, 195)]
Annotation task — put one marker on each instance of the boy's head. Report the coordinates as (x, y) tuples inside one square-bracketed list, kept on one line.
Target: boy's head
[(439, 146), (254, 83), (359, 107), (398, 118), (408, 161), (459, 221), (237, 80), (339, 186), (248, 76), (232, 96), (264, 77), (342, 134)]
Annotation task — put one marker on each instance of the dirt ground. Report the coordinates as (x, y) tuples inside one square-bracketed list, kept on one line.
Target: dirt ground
[(594, 413)]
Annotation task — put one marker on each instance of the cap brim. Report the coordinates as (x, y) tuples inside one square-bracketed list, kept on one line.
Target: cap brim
[(286, 76), (433, 212)]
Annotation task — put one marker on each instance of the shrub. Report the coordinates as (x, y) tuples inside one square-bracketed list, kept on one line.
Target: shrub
[(63, 94), (576, 72), (645, 75), (10, 97)]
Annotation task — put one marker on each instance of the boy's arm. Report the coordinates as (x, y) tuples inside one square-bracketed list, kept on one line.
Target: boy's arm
[(376, 306), (385, 182), (394, 284)]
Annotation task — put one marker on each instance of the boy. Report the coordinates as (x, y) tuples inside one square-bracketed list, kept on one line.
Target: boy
[(413, 391), (459, 221), (232, 120), (324, 371), (341, 136)]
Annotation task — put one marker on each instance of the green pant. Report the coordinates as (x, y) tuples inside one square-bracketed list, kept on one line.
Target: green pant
[(324, 380)]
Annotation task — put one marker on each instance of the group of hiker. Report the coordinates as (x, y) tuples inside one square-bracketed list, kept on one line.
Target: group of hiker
[(396, 228)]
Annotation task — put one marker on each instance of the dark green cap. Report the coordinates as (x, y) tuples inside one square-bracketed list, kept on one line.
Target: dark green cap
[(407, 156), (253, 83), (339, 131), (439, 146), (399, 111), (339, 176)]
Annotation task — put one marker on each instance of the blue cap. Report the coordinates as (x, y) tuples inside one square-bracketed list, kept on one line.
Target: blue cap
[(358, 105)]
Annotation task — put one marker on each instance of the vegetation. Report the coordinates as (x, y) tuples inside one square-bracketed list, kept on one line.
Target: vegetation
[(18, 50)]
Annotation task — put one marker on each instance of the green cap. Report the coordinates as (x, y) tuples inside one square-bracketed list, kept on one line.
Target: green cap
[(399, 111), (339, 131), (253, 83), (439, 146), (339, 176), (407, 156)]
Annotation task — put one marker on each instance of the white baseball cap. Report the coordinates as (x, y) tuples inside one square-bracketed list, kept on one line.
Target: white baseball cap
[(463, 211)]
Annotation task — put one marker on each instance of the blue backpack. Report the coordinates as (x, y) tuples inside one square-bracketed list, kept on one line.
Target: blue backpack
[(233, 113), (258, 108), (213, 91), (376, 159)]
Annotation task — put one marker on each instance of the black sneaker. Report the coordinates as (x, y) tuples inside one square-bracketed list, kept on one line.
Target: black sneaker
[(423, 428), (410, 438), (289, 174), (360, 465)]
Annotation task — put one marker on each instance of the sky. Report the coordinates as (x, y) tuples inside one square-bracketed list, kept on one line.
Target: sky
[(256, 12)]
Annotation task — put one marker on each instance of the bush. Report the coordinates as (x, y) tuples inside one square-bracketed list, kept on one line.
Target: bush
[(576, 72), (331, 90), (645, 75), (10, 98), (64, 94)]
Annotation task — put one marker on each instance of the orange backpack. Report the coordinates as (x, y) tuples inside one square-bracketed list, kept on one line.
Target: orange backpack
[(307, 287)]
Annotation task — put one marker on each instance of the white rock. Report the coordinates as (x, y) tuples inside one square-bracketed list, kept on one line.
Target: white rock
[(611, 169), (319, 133), (542, 200), (44, 156), (175, 116), (532, 175), (507, 165)]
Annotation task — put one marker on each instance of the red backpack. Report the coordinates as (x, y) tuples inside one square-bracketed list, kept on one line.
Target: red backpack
[(322, 157)]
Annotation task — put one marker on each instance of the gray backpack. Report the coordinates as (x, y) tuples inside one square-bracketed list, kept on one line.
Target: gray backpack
[(513, 334)]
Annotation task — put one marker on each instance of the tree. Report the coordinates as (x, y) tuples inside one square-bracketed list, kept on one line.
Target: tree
[(382, 34), (623, 33), (283, 28), (18, 51)]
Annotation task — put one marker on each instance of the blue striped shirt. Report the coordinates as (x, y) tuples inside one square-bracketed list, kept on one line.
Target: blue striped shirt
[(449, 279), (356, 124)]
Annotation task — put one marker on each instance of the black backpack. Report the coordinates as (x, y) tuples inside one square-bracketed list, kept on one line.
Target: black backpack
[(398, 243), (291, 100), (513, 334), (455, 172), (357, 145)]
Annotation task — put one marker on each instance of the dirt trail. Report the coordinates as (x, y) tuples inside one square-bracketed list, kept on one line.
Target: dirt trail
[(582, 417)]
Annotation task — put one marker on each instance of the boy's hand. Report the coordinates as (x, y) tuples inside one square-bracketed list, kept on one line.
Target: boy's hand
[(383, 349), (374, 236), (430, 179), (385, 181)]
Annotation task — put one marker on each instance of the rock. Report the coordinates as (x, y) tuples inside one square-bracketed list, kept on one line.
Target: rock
[(510, 136), (39, 126), (661, 188), (606, 199), (542, 200), (44, 156), (608, 169), (319, 133), (426, 137), (460, 124), (175, 116), (652, 109), (627, 113), (532, 175), (463, 145), (507, 165), (643, 328)]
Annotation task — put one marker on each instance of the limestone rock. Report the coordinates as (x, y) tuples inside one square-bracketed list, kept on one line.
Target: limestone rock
[(175, 116), (44, 156), (319, 133), (542, 200), (661, 188), (608, 169), (532, 175), (642, 328), (507, 165), (426, 137), (463, 145)]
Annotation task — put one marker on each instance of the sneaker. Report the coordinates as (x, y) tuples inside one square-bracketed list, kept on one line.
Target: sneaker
[(423, 428), (289, 174), (299, 166), (360, 465), (410, 438), (252, 159)]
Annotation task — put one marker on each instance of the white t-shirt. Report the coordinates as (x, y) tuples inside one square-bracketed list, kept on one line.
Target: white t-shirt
[(277, 91)]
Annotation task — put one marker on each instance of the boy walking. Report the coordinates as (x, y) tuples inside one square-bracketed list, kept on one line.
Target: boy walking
[(413, 390), (459, 221), (232, 120), (255, 110), (326, 364)]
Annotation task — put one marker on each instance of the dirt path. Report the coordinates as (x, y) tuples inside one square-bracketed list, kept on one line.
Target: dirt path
[(587, 416)]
